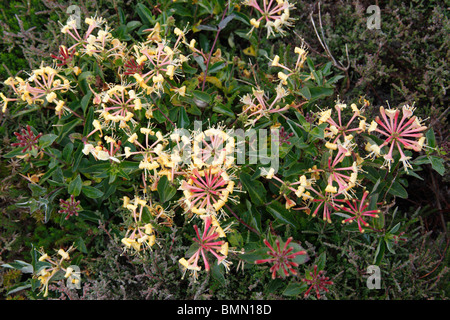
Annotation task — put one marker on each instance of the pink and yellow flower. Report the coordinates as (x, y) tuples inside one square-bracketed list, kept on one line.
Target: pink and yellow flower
[(282, 259), (207, 241)]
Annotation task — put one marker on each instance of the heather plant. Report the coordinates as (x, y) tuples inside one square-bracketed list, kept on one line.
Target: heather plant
[(185, 156)]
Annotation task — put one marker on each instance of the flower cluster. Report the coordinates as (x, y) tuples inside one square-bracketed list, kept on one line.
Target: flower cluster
[(273, 15), (404, 133), (317, 281), (258, 105), (302, 55), (51, 266), (69, 207), (283, 259), (207, 242), (135, 108), (26, 139), (140, 235), (44, 86)]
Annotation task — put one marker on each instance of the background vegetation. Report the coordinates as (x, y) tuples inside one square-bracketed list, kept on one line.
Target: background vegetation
[(407, 61)]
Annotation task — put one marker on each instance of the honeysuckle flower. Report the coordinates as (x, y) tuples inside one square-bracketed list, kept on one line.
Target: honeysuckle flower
[(337, 130), (26, 139), (156, 64), (340, 179), (288, 72), (89, 44), (4, 102), (59, 108), (268, 174), (282, 259), (262, 107), (274, 14), (317, 281), (120, 103), (302, 55), (324, 201), (52, 267), (100, 153), (139, 236), (283, 135), (64, 254), (68, 273), (283, 77), (213, 147), (42, 85), (373, 149), (44, 257), (44, 277), (358, 209), (69, 207), (64, 56), (207, 241), (406, 133), (207, 191)]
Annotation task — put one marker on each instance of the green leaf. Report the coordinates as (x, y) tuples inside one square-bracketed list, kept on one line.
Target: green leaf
[(223, 109), (75, 186), (225, 21), (235, 239), (92, 192), (241, 17), (184, 119), (431, 139), (88, 122), (279, 212), (310, 64), (301, 258), (202, 96), (23, 266), (206, 27), (145, 14), (216, 67), (274, 284), (217, 273), (389, 243), (181, 9), (254, 255), (92, 216), (188, 69), (85, 101), (67, 152), (67, 128), (396, 227), (293, 289), (319, 131), (379, 253), (252, 216), (81, 245), (437, 164), (37, 190), (122, 18), (398, 190), (165, 189), (47, 139), (298, 132), (321, 260), (255, 189), (13, 153), (48, 174), (133, 25)]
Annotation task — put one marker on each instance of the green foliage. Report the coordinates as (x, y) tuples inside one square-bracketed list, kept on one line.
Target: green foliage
[(103, 184)]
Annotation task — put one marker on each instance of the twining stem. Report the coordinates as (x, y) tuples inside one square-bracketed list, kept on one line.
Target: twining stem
[(240, 220), (212, 50)]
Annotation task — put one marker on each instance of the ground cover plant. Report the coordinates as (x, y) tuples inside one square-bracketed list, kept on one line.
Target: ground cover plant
[(223, 150)]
